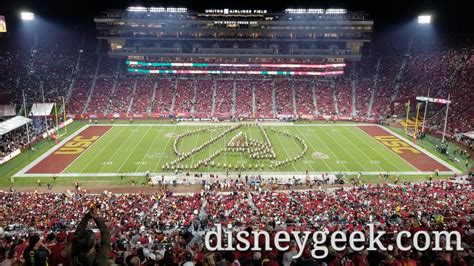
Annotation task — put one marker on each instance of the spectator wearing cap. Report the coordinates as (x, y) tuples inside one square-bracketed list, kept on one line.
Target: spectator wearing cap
[(61, 250)]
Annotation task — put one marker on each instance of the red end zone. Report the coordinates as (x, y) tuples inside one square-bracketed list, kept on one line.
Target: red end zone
[(414, 156), (60, 159)]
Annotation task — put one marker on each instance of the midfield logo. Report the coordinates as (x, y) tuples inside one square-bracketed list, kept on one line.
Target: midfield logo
[(259, 151)]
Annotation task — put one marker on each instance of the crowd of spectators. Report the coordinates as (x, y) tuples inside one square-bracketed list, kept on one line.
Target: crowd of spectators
[(184, 95), (68, 72), (168, 229), (223, 102), (18, 138), (304, 97), (204, 96)]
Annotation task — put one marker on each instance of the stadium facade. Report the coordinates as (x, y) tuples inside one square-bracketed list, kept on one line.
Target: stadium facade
[(289, 35)]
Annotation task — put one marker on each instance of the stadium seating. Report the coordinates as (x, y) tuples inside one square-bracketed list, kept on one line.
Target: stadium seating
[(101, 96), (223, 104), (284, 96), (143, 96), (263, 97), (121, 97), (184, 96), (204, 96), (324, 97), (164, 96), (381, 75), (162, 227), (304, 97), (243, 97)]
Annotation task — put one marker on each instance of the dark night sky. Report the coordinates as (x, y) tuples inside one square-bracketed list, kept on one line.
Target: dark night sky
[(450, 15)]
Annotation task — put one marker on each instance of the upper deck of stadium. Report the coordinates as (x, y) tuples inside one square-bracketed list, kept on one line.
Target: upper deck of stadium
[(314, 33)]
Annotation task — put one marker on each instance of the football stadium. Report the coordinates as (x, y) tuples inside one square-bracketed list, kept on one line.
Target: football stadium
[(224, 134)]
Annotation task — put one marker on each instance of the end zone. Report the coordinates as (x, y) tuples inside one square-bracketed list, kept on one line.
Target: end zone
[(410, 152), (58, 158)]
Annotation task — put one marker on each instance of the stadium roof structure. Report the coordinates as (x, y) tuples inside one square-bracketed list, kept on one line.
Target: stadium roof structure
[(12, 124)]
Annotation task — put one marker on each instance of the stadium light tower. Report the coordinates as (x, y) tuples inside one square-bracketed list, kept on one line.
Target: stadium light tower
[(24, 15), (424, 19)]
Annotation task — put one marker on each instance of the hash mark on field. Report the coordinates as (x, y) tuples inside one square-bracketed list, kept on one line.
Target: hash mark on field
[(116, 149), (341, 162), (345, 150), (167, 144), (360, 151), (141, 162), (314, 133), (372, 148), (153, 155), (136, 146), (107, 163), (102, 150)]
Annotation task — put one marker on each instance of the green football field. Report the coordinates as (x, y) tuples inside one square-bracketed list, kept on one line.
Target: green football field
[(137, 149)]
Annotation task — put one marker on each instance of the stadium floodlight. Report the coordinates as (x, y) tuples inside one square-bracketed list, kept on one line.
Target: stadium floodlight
[(424, 19), (27, 15)]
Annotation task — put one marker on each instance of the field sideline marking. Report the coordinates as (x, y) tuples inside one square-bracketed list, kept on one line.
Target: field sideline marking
[(149, 148), (170, 174), (361, 151), (82, 153), (134, 149), (50, 151), (429, 154), (234, 123), (414, 167), (327, 147), (102, 150), (350, 155)]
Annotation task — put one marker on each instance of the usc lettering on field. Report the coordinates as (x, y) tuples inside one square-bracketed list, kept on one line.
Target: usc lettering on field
[(396, 144), (76, 145)]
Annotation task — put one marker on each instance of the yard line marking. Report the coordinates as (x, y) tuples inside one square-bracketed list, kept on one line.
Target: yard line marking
[(82, 153), (314, 149), (350, 155), (116, 148), (87, 165), (50, 151), (103, 148), (393, 152), (284, 148), (195, 144), (134, 149), (361, 151), (376, 150), (327, 147), (145, 154), (280, 174), (165, 147)]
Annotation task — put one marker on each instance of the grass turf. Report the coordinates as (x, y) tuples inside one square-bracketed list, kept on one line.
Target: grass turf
[(155, 149), (144, 148)]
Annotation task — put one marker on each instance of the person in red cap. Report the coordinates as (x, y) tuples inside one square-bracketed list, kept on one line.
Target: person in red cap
[(60, 252)]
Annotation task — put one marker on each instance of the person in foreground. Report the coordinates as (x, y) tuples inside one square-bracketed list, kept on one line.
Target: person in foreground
[(85, 250)]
